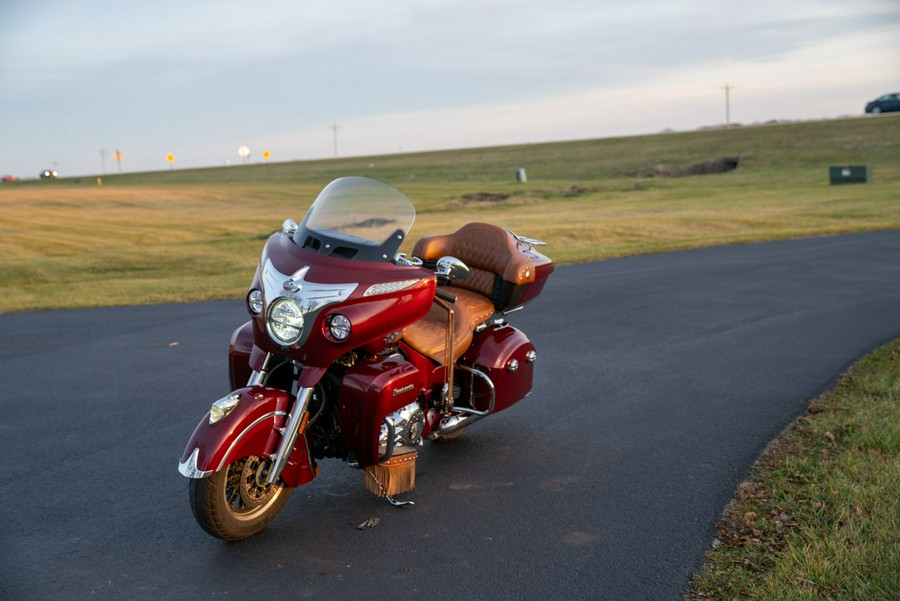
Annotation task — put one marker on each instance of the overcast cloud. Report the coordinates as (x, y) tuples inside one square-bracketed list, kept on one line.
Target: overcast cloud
[(199, 79)]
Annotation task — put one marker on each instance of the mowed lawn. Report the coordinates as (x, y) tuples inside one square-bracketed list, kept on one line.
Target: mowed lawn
[(197, 234)]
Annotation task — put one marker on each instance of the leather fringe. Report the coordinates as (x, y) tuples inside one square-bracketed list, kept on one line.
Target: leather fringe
[(395, 476)]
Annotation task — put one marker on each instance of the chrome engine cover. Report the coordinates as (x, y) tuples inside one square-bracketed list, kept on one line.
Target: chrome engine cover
[(407, 425)]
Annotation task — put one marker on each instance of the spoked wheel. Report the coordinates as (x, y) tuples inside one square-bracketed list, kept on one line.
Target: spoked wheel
[(236, 502)]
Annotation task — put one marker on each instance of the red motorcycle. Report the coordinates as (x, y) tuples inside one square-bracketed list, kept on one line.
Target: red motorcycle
[(357, 353)]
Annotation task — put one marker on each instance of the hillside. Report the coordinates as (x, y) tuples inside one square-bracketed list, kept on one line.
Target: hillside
[(770, 149)]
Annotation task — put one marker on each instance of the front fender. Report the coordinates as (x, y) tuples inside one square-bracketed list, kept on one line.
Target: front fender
[(250, 429)]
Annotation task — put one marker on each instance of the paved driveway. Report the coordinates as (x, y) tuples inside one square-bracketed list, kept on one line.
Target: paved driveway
[(659, 380)]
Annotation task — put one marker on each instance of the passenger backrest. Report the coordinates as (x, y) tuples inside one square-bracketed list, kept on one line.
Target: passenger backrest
[(497, 262)]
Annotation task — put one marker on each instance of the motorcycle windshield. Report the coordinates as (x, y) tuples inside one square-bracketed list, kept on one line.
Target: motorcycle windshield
[(357, 218)]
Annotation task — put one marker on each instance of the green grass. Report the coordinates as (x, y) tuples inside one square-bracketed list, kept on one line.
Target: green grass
[(820, 516), (196, 234)]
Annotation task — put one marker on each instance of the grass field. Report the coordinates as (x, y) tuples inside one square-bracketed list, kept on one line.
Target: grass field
[(196, 234)]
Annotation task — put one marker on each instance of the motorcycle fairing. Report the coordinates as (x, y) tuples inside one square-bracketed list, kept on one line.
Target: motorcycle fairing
[(250, 429), (371, 314)]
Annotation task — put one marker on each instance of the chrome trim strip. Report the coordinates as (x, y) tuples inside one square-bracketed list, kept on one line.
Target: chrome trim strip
[(311, 296), (189, 469), (262, 418), (290, 434)]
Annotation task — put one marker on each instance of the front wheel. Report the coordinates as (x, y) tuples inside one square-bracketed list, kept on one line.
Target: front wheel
[(236, 502)]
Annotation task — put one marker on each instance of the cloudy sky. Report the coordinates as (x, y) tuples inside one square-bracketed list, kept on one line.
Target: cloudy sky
[(199, 79)]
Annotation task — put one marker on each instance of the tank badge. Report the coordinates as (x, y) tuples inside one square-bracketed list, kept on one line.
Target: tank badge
[(407, 388)]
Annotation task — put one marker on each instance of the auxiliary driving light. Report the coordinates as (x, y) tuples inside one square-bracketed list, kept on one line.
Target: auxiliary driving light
[(255, 301), (339, 327)]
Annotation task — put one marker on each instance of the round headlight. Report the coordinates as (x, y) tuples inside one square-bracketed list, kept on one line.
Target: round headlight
[(285, 321), (339, 327), (255, 302)]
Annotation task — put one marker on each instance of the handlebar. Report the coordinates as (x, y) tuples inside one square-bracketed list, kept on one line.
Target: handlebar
[(444, 295)]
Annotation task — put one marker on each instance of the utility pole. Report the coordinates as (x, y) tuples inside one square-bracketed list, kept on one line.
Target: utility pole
[(728, 89), (334, 127), (103, 160)]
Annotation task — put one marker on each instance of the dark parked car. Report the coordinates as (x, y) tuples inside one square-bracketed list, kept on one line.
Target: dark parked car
[(48, 174), (888, 103)]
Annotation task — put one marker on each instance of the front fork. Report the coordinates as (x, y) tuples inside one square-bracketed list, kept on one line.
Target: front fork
[(297, 422)]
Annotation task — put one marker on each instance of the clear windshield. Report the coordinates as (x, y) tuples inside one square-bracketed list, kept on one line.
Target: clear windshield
[(357, 217)]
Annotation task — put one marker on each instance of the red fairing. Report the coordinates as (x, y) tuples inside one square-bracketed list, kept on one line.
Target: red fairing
[(250, 429), (372, 317), (239, 352)]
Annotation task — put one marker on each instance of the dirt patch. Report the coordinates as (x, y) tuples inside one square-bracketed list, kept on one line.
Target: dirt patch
[(720, 165), (485, 197), (577, 190)]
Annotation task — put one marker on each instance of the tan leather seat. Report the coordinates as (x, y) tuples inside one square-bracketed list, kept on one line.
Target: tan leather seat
[(429, 335)]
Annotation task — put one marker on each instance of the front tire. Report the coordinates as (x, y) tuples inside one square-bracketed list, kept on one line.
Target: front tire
[(236, 502)]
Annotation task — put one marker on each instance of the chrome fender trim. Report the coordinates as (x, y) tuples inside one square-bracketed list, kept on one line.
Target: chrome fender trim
[(257, 421), (189, 468)]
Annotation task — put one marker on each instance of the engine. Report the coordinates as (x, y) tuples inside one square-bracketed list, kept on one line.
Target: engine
[(401, 431)]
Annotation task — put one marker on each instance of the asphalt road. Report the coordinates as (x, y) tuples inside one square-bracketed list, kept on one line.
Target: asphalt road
[(659, 380)]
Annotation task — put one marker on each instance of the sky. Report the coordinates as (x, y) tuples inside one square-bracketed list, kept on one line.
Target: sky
[(81, 79)]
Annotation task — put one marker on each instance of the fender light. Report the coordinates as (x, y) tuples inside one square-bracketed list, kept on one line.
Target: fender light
[(223, 407)]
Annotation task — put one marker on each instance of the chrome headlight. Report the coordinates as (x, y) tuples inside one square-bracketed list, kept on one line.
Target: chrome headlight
[(255, 301), (285, 321), (339, 327)]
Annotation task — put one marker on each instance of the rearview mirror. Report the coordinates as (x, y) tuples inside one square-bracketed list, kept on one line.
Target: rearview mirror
[(451, 268)]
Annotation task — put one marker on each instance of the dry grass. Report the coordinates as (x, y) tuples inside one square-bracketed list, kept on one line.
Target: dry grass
[(194, 235)]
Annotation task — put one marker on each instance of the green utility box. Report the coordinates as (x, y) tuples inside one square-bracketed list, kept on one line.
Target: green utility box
[(848, 174)]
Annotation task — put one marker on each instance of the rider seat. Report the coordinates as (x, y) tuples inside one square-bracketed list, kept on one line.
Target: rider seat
[(500, 271)]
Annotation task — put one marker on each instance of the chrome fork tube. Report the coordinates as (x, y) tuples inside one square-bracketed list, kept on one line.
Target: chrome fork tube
[(289, 437), (259, 377)]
